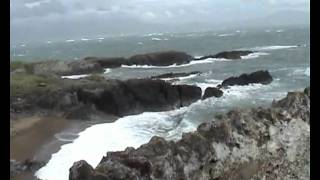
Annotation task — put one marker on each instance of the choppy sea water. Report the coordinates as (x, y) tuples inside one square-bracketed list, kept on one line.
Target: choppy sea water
[(284, 53)]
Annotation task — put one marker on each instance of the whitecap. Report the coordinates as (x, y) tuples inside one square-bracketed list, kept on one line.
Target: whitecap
[(70, 40), (224, 35), (156, 39), (85, 39)]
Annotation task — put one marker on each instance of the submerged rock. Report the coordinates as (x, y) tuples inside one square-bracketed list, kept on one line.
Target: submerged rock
[(258, 143), (212, 91), (261, 77), (227, 55)]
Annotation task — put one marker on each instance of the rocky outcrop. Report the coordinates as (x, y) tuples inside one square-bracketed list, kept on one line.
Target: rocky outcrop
[(175, 75), (83, 98), (227, 55), (212, 91), (17, 167), (258, 143), (261, 77), (139, 95)]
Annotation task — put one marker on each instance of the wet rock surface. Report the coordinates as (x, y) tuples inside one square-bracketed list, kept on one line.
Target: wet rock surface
[(212, 92), (17, 167), (261, 77), (175, 75), (257, 143)]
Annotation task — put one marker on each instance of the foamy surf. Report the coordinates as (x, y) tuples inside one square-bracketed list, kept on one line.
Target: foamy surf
[(254, 55), (131, 131)]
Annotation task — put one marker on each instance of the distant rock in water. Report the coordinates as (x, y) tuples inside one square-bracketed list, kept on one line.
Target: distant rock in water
[(227, 55), (212, 91), (241, 144), (174, 75), (262, 77), (160, 58), (112, 62), (152, 59)]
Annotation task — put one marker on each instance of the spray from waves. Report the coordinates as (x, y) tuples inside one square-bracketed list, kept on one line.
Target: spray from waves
[(96, 140)]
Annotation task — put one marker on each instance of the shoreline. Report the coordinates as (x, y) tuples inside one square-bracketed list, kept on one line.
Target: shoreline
[(35, 138)]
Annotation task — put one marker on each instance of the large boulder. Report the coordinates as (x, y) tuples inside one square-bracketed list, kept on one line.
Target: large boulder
[(228, 55), (261, 77), (241, 144), (212, 91)]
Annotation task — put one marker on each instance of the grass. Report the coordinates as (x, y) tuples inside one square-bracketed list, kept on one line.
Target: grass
[(24, 83), (28, 67)]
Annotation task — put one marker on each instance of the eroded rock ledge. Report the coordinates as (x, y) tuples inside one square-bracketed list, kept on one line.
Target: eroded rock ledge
[(258, 143)]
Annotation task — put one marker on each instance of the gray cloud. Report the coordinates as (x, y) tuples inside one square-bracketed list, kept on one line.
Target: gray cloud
[(109, 16)]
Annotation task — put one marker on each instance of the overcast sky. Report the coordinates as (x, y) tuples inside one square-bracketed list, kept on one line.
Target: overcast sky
[(32, 19)]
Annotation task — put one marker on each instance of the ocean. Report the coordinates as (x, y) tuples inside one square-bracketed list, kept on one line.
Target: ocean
[(284, 52)]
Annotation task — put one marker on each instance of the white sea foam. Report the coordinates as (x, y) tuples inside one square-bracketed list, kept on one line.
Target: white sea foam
[(101, 38), (307, 72), (107, 70), (181, 78), (75, 76), (254, 55), (95, 141), (48, 42), (140, 43), (280, 30)]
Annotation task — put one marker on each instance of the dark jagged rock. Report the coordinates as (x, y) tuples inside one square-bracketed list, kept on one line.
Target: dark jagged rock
[(160, 58), (174, 75), (262, 77), (212, 91), (242, 144), (17, 167), (228, 55)]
